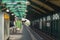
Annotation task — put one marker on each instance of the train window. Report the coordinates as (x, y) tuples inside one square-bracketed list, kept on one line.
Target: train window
[(55, 16), (37, 20), (40, 23), (48, 24), (48, 18), (33, 23), (44, 19), (41, 20)]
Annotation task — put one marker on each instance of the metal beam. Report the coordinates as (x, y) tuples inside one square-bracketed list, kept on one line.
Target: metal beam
[(32, 3), (38, 9), (35, 11), (52, 5), (43, 5), (56, 2)]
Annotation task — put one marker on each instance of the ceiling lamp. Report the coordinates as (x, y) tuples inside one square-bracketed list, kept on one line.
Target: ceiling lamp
[(26, 10), (7, 10), (27, 3), (12, 14)]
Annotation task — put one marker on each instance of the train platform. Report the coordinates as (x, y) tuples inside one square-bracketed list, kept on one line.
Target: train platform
[(43, 16), (25, 34)]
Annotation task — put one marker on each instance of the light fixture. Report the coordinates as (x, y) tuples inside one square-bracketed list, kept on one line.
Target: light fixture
[(7, 10), (26, 10), (15, 16), (12, 14), (27, 3)]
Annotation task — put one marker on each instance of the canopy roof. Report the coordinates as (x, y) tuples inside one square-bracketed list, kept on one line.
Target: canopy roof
[(18, 7)]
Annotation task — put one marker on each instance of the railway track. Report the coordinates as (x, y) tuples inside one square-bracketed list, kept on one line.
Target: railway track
[(45, 36)]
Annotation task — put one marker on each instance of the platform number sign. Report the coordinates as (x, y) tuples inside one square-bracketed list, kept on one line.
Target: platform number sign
[(6, 16)]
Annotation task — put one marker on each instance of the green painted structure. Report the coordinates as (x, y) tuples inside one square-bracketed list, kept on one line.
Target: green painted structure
[(18, 24), (18, 7)]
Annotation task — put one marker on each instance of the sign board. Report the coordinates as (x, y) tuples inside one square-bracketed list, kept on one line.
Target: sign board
[(6, 16)]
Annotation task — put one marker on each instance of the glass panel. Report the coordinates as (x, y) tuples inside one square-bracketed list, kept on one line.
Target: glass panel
[(48, 24), (48, 18), (44, 19), (40, 23), (55, 16)]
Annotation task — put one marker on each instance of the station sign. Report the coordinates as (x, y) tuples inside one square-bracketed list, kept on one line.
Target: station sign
[(6, 16)]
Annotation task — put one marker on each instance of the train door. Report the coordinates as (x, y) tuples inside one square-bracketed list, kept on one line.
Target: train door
[(48, 25), (58, 27), (40, 24), (33, 23), (37, 24), (44, 24), (55, 25)]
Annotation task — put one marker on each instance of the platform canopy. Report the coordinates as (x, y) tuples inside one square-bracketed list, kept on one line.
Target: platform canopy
[(18, 7)]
